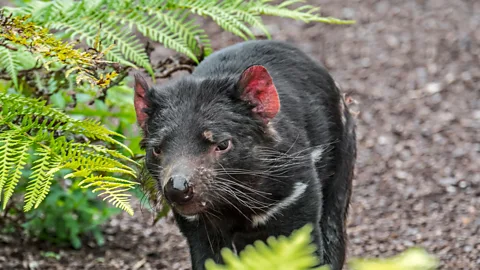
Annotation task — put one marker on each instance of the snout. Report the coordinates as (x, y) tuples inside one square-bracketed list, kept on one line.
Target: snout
[(178, 190), (185, 186)]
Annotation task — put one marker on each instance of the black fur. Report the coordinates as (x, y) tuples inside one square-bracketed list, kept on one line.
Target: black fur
[(269, 159)]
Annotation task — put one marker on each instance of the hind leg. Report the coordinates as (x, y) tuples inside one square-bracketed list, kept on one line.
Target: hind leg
[(333, 224), (336, 199)]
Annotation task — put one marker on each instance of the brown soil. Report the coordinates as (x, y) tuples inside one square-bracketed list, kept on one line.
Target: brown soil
[(414, 68)]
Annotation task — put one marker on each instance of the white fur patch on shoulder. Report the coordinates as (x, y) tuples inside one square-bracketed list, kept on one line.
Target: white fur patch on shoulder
[(298, 190), (317, 154)]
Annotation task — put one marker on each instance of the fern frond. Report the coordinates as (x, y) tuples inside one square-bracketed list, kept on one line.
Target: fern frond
[(28, 123), (78, 156), (40, 180), (10, 62), (18, 158), (75, 28), (237, 8), (190, 31), (128, 44), (14, 105), (295, 252), (112, 189), (94, 130), (84, 19), (115, 154), (223, 16), (253, 20), (39, 42), (305, 13), (411, 259), (164, 21), (157, 30), (7, 142), (17, 106)]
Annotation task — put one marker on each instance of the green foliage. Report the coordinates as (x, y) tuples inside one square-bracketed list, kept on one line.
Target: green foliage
[(295, 252), (164, 21), (29, 123), (11, 63), (412, 259), (38, 40), (67, 215)]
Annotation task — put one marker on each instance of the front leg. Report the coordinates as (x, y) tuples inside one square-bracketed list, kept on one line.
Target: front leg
[(204, 241)]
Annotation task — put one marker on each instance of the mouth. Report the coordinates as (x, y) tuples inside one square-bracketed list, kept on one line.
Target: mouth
[(191, 208)]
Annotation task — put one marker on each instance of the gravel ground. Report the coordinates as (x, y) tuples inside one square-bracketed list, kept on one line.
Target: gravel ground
[(414, 68)]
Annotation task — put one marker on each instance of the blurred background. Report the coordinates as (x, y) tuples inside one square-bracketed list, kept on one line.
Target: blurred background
[(413, 66)]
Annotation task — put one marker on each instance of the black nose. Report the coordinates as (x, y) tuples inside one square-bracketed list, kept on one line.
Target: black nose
[(178, 190)]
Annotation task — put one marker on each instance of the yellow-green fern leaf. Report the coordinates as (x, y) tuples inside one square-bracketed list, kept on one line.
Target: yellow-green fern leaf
[(223, 17), (411, 259), (40, 180), (112, 189), (238, 9), (10, 62), (87, 172), (188, 30), (8, 140), (106, 181), (78, 157), (306, 13), (295, 252), (19, 157), (116, 154), (78, 28), (154, 27), (94, 130), (124, 40)]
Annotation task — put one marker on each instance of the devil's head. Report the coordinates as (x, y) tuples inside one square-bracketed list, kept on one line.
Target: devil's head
[(200, 134)]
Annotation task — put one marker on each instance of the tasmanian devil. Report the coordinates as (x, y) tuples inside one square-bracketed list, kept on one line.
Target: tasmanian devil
[(256, 142)]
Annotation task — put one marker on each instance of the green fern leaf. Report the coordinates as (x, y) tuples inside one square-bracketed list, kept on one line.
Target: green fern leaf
[(7, 142), (306, 13), (169, 29), (17, 106), (78, 157), (128, 44), (78, 28), (112, 189), (10, 62), (244, 15), (40, 180), (176, 22), (29, 122), (295, 252), (94, 130), (155, 29), (19, 159), (253, 20), (411, 259), (223, 17)]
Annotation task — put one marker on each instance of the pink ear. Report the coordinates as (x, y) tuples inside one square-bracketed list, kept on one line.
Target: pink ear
[(258, 89), (139, 100)]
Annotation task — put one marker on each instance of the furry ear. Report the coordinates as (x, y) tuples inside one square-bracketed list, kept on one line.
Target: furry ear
[(257, 88), (140, 100)]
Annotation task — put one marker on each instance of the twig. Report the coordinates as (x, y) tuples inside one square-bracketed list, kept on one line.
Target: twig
[(178, 62), (10, 47), (122, 74), (167, 73)]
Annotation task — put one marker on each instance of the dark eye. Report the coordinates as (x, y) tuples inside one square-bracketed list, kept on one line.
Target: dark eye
[(157, 151), (223, 146)]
